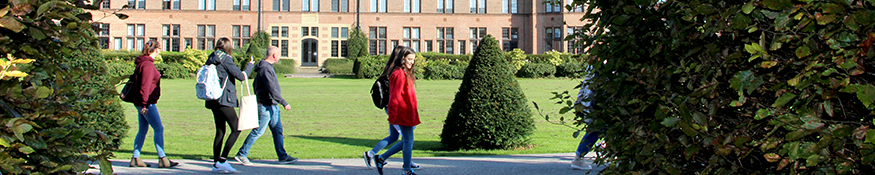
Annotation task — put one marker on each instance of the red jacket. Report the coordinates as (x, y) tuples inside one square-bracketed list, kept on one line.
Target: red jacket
[(402, 100), (147, 80)]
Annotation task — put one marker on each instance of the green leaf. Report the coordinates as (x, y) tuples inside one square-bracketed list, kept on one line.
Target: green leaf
[(870, 136), (43, 92), (803, 52), (795, 80), (20, 130), (832, 8), (783, 100), (4, 142), (564, 110), (812, 160), (829, 71), (826, 19), (11, 23), (866, 94), (670, 122), (762, 113), (843, 131), (575, 134), (25, 150), (795, 135), (740, 22), (778, 4), (105, 166), (827, 106), (748, 7)]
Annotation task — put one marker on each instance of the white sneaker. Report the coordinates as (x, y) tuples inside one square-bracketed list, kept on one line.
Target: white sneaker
[(243, 160), (224, 168), (578, 164)]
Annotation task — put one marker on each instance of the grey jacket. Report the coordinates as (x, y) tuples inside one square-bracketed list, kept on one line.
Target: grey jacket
[(225, 68)]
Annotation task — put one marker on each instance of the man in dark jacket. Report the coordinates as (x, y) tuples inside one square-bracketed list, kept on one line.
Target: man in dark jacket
[(267, 92)]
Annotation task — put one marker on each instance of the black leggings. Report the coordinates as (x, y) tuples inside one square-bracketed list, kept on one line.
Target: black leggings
[(222, 115)]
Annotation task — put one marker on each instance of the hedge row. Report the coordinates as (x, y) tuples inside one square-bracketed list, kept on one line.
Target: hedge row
[(439, 66), (341, 66)]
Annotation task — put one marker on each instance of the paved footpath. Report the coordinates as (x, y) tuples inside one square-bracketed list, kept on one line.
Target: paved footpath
[(509, 164)]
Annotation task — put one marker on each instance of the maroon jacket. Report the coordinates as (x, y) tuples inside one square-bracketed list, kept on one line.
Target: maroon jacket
[(147, 82)]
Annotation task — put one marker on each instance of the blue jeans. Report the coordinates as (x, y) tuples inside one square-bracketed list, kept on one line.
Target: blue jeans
[(151, 118), (586, 143), (406, 145), (268, 117)]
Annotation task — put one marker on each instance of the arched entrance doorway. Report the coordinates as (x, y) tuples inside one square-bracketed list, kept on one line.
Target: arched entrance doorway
[(309, 54)]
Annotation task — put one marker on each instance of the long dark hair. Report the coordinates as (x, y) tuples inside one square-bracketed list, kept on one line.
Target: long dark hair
[(396, 60)]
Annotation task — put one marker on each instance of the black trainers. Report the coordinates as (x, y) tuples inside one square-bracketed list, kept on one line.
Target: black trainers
[(409, 173), (368, 157), (415, 166), (380, 162)]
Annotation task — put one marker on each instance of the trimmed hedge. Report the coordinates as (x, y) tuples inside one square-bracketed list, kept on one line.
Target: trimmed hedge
[(443, 70), (284, 66), (448, 57), (340, 66), (172, 70), (118, 69), (370, 67), (490, 110), (537, 70), (571, 69)]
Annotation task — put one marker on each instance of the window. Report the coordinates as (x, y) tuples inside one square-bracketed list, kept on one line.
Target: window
[(475, 35), (571, 43), (378, 6), (377, 42), (206, 5), (462, 47), (136, 36), (394, 44), (575, 7), (553, 36), (103, 36), (170, 5), (445, 6), (445, 40), (241, 5), (509, 38), (170, 37), (310, 31), (240, 35), (136, 4), (117, 42), (338, 41), (411, 37), (552, 6), (280, 39), (428, 46), (310, 5), (339, 5), (105, 4), (280, 5), (478, 6), (509, 6), (411, 6), (206, 37)]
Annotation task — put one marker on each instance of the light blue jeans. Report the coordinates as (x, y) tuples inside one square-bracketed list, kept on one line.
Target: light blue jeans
[(151, 118), (406, 145), (587, 142), (268, 117)]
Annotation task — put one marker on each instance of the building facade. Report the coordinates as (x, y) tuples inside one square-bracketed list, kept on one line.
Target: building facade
[(311, 31)]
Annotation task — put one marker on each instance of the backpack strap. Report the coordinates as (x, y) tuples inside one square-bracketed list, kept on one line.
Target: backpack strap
[(220, 55)]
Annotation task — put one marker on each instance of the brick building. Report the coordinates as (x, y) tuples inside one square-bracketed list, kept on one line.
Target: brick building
[(310, 31)]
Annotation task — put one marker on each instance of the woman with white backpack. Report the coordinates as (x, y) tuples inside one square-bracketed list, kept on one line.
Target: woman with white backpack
[(223, 107)]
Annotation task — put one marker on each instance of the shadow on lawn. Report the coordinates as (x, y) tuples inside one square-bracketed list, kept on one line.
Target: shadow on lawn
[(433, 147)]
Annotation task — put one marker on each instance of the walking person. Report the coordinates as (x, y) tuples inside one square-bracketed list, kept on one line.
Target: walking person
[(147, 85), (268, 95), (584, 98), (223, 107), (402, 108), (394, 130)]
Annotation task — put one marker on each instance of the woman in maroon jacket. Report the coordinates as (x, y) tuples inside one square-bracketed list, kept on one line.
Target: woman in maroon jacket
[(402, 107), (147, 84)]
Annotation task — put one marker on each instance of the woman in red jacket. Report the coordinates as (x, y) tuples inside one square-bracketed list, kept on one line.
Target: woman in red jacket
[(402, 107), (147, 85)]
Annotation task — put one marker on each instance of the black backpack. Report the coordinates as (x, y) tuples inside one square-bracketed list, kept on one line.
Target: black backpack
[(380, 92)]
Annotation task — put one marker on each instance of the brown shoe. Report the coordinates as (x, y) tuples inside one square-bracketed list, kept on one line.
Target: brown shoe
[(164, 162), (137, 162)]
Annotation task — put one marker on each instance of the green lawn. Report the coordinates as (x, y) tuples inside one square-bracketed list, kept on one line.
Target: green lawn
[(335, 118)]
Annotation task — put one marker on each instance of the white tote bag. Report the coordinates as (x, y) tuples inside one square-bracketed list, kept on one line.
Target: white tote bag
[(248, 117)]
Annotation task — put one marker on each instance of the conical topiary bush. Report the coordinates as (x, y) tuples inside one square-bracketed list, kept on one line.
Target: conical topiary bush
[(489, 111)]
